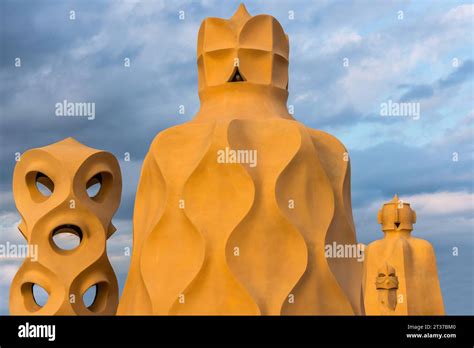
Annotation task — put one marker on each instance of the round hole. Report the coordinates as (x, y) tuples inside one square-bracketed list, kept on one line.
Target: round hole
[(67, 237), (94, 185), (40, 295), (44, 184), (90, 296)]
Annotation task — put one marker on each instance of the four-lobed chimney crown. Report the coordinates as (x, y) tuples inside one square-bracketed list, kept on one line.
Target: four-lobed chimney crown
[(242, 49), (396, 215)]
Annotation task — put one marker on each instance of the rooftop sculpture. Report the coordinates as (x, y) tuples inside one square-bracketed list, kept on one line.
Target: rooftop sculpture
[(236, 238)]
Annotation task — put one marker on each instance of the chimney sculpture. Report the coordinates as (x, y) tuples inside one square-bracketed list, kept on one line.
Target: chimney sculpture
[(400, 267), (66, 169), (234, 208)]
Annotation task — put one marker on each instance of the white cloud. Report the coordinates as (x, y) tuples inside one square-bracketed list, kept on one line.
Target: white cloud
[(90, 46), (392, 56), (7, 273), (339, 39), (6, 197), (442, 203), (436, 203), (9, 222), (462, 13), (117, 244), (440, 215)]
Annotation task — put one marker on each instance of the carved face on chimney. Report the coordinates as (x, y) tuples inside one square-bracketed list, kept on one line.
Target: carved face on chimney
[(386, 278)]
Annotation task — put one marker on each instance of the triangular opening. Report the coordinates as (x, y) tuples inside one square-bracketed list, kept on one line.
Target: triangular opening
[(397, 224), (237, 76)]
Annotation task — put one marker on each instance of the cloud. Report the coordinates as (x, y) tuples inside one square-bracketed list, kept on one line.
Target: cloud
[(8, 271), (435, 203), (392, 167), (9, 233), (130, 176), (462, 74), (462, 13), (417, 93), (443, 203), (9, 222), (119, 247), (330, 43), (7, 274)]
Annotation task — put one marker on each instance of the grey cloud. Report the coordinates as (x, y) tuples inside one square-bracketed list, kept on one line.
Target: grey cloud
[(460, 75), (457, 77), (417, 92), (390, 168)]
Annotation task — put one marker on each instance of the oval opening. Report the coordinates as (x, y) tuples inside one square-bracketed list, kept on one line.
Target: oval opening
[(94, 185), (40, 295), (44, 184), (90, 296), (67, 237)]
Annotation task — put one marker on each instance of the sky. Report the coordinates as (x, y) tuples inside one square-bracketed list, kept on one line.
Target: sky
[(347, 59)]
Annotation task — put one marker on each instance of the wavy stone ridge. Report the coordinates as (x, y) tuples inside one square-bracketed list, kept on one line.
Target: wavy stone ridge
[(234, 246)]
